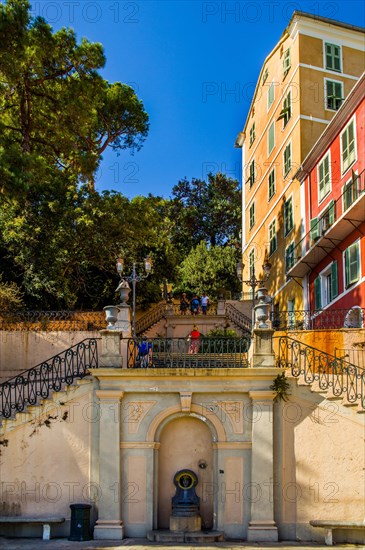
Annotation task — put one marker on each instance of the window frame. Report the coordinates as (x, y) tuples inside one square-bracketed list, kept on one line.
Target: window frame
[(286, 64), (273, 237), (346, 128), (252, 134), (272, 126), (326, 82), (287, 172), (286, 111), (322, 195), (270, 104), (327, 68), (350, 185), (252, 171), (252, 215), (285, 225), (347, 267), (290, 245), (273, 171)]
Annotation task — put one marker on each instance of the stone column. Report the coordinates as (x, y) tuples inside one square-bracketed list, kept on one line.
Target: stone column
[(262, 526), (109, 524)]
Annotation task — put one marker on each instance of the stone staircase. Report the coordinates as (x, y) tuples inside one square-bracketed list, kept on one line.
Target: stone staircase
[(335, 379)]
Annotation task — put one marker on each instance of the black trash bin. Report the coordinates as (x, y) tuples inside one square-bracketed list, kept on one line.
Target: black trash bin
[(80, 522)]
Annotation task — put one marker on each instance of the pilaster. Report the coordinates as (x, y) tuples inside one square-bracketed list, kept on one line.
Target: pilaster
[(262, 526), (109, 524)]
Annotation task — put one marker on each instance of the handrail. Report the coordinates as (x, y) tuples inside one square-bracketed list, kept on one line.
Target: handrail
[(151, 317), (239, 318), (331, 373), (183, 353), (317, 319), (28, 387)]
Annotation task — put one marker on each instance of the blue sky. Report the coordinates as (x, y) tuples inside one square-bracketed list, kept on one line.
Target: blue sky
[(194, 65)]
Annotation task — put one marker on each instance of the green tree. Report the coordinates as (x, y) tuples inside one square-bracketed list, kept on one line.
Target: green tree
[(208, 211), (56, 111), (210, 269)]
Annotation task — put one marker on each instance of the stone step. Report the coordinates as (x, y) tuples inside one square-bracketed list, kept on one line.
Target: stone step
[(164, 535)]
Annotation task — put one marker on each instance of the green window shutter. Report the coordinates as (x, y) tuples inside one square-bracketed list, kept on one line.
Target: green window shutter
[(331, 213), (271, 138), (314, 229), (317, 293), (334, 280), (347, 267)]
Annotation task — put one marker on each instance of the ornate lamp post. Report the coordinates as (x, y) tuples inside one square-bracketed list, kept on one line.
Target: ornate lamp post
[(254, 282), (133, 278)]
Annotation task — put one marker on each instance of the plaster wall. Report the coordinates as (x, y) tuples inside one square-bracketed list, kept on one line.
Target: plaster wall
[(22, 350), (319, 459), (47, 464)]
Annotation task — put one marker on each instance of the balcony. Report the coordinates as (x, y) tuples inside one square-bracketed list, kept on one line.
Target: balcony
[(343, 216)]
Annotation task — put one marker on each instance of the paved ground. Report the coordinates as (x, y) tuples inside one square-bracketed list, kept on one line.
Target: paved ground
[(141, 544)]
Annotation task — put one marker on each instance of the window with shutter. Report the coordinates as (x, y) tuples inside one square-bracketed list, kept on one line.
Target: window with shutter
[(324, 177), (252, 215), (285, 113), (272, 187), (272, 237), (314, 229), (333, 57), (252, 134), (351, 191), (286, 62), (287, 159), (289, 256), (252, 173), (317, 293), (352, 264), (334, 280), (288, 216), (271, 138), (334, 95), (348, 146), (270, 95)]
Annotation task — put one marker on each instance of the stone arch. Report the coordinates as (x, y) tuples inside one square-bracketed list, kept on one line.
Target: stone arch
[(213, 422)]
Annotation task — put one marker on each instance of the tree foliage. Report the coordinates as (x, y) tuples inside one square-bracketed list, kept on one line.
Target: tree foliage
[(56, 111), (208, 211), (210, 269)]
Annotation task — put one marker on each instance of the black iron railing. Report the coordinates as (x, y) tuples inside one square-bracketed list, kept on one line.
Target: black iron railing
[(239, 318), (331, 373), (184, 353), (319, 319), (52, 320), (28, 387)]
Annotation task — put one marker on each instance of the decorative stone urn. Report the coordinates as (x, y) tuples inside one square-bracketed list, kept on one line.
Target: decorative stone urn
[(262, 308), (111, 314), (124, 290)]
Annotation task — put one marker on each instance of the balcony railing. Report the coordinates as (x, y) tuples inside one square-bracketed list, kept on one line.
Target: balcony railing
[(37, 383), (184, 353), (52, 320), (320, 319), (353, 191), (331, 373)]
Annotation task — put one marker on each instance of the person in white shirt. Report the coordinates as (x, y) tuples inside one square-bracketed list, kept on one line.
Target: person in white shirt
[(204, 302)]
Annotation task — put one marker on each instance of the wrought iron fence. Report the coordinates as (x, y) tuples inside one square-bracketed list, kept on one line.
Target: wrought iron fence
[(184, 353), (332, 373), (316, 319), (239, 318), (28, 387), (211, 310), (52, 320)]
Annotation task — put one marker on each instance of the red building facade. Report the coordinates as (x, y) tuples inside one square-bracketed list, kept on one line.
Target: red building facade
[(330, 258)]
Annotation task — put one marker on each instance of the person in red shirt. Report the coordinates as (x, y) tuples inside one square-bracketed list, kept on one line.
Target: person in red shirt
[(194, 340)]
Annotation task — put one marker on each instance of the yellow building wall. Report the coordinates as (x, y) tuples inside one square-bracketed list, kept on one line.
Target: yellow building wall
[(309, 119)]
